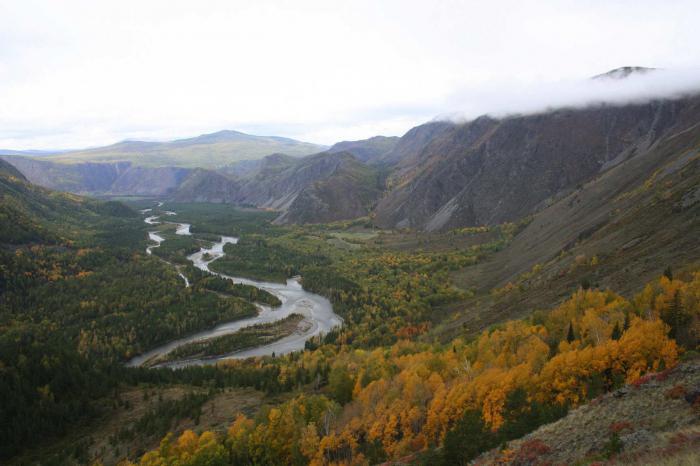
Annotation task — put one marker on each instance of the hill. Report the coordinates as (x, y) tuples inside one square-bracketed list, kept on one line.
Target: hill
[(653, 421), (206, 151), (32, 214)]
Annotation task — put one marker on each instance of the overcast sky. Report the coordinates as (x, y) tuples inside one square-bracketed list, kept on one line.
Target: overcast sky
[(85, 73)]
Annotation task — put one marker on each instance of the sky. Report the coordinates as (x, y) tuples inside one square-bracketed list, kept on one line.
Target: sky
[(87, 73)]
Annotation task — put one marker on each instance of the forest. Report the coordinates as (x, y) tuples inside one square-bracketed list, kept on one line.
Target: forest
[(411, 397), (79, 297)]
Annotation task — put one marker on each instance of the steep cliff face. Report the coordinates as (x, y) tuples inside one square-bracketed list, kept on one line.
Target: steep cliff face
[(120, 178), (142, 181), (490, 171)]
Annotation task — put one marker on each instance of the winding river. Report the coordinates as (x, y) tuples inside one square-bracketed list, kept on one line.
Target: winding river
[(317, 310)]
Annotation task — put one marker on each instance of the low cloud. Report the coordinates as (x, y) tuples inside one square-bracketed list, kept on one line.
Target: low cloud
[(501, 99)]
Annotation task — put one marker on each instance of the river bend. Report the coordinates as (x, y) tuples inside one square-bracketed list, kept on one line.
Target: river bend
[(317, 310)]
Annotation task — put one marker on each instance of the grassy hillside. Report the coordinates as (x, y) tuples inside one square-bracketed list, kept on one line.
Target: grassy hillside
[(647, 422), (207, 151)]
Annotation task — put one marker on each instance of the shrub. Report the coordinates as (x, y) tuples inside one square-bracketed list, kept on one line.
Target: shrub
[(613, 446), (530, 451), (617, 427), (676, 392)]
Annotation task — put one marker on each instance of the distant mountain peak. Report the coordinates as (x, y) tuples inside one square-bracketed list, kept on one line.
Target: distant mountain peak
[(624, 72)]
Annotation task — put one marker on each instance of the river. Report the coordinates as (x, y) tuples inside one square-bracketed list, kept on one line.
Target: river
[(317, 310)]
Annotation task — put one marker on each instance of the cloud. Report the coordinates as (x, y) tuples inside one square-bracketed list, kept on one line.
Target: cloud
[(82, 73), (500, 99)]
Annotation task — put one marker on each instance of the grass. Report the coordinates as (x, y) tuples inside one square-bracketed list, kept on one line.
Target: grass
[(685, 458)]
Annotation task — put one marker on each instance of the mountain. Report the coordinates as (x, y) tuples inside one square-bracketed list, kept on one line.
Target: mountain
[(489, 171), (206, 186), (616, 231), (247, 168), (367, 150), (34, 153), (206, 151), (624, 72), (117, 178), (9, 170), (318, 188), (321, 187), (348, 191), (411, 144)]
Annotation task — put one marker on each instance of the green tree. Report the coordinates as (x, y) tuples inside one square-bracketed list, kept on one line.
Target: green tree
[(570, 337), (340, 384), (616, 332), (468, 439)]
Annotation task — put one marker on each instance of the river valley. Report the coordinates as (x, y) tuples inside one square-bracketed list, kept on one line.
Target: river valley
[(317, 311)]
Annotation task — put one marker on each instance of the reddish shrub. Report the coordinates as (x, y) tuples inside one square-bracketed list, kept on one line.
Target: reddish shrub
[(676, 392), (659, 376), (642, 380), (530, 451), (620, 426), (679, 439), (663, 375)]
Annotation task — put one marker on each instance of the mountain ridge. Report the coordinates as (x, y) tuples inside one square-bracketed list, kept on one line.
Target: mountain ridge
[(490, 171), (212, 150)]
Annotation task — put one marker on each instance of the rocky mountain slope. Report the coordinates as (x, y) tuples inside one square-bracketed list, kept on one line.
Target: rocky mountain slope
[(410, 146), (349, 191), (490, 171), (617, 231), (206, 151)]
